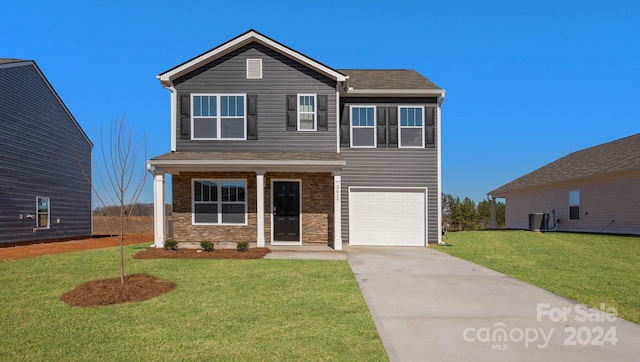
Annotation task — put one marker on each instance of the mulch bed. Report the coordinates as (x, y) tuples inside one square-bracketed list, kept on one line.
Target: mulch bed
[(159, 253), (137, 288)]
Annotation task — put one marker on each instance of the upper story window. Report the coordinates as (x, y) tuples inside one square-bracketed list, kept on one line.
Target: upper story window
[(307, 112), (411, 126), (574, 205), (219, 202), (254, 68), (363, 130), (43, 216), (218, 116)]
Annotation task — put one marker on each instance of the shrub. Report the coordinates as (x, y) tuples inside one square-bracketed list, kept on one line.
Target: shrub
[(206, 245), (170, 244), (243, 246)]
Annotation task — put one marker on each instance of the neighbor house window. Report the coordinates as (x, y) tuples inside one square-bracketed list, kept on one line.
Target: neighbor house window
[(363, 130), (306, 112), (219, 202), (43, 214), (254, 68), (411, 126), (218, 116), (574, 205)]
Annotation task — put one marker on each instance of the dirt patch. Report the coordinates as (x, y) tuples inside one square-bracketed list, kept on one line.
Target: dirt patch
[(137, 288), (159, 253), (111, 225), (98, 242)]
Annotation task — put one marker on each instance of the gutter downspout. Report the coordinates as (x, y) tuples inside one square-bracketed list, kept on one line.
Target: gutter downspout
[(439, 138)]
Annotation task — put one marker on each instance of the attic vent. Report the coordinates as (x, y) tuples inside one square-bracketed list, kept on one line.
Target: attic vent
[(254, 68)]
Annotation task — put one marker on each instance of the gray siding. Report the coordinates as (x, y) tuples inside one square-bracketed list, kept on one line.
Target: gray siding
[(40, 147), (602, 200), (281, 77), (391, 167)]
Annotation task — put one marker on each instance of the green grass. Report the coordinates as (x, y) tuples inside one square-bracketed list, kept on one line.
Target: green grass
[(590, 269), (220, 310)]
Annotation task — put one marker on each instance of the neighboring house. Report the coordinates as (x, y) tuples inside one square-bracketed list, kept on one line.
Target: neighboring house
[(271, 146), (593, 190), (45, 163)]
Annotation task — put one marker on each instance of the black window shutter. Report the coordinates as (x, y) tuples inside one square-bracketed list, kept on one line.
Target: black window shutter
[(344, 127), (292, 112), (430, 127), (252, 117), (185, 116), (323, 113), (381, 125), (392, 129)]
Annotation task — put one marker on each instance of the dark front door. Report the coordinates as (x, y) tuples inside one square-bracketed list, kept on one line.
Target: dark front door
[(286, 211)]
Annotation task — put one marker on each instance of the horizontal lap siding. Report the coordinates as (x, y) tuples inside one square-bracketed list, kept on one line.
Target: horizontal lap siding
[(41, 147), (392, 168), (281, 77), (614, 198)]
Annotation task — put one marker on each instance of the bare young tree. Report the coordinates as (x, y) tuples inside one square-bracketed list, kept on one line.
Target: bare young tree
[(121, 178)]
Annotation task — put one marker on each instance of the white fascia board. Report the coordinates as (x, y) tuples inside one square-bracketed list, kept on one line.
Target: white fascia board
[(244, 163), (434, 92), (239, 42)]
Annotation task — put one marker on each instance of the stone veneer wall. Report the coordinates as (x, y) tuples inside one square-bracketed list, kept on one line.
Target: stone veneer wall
[(317, 208)]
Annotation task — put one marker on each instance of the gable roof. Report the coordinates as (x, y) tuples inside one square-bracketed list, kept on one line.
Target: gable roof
[(616, 156), (10, 63), (167, 77)]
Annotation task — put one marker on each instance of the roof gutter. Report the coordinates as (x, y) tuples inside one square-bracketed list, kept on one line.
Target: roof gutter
[(427, 92)]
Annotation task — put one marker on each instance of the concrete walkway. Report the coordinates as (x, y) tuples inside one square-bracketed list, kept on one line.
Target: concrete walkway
[(429, 306)]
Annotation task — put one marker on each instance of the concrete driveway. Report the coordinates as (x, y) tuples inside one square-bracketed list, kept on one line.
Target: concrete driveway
[(429, 306)]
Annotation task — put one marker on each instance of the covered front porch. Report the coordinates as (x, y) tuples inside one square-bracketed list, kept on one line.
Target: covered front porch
[(274, 198)]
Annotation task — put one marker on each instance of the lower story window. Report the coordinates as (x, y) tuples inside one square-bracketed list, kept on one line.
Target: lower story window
[(574, 205), (43, 212), (219, 202)]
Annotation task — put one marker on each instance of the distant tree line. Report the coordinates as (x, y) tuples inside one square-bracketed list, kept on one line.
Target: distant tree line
[(138, 209), (465, 215)]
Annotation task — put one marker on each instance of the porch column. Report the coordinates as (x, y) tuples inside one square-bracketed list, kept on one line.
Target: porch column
[(158, 210), (260, 208), (337, 211), (494, 221)]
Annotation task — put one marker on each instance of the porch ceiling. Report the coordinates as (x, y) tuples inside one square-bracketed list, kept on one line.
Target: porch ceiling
[(174, 162)]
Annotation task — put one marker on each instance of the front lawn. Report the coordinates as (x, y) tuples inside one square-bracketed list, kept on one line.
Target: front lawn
[(220, 310), (590, 269)]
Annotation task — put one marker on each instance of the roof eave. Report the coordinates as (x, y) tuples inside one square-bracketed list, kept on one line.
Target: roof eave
[(396, 92)]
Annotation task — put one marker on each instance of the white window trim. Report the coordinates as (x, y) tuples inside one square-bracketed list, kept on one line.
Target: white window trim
[(219, 117), (375, 123), (256, 63), (315, 111), (48, 213), (578, 205), (400, 127), (219, 181)]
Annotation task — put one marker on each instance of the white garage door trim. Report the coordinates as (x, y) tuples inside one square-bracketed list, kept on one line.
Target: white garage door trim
[(388, 216)]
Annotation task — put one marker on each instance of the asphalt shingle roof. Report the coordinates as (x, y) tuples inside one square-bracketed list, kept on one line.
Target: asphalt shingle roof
[(616, 156), (387, 79), (251, 156)]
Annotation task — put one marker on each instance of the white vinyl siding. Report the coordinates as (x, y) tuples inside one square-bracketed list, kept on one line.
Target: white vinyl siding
[(218, 116)]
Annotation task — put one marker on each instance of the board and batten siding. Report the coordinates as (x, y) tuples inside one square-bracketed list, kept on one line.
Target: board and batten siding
[(281, 76), (43, 151), (601, 200), (391, 167)]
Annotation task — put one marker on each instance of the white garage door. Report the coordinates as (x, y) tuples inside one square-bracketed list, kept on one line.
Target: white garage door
[(390, 217)]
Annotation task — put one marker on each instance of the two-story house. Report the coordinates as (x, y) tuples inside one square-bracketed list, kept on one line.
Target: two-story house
[(45, 160), (271, 146)]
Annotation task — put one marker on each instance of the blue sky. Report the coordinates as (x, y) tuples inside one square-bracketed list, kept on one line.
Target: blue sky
[(526, 82)]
